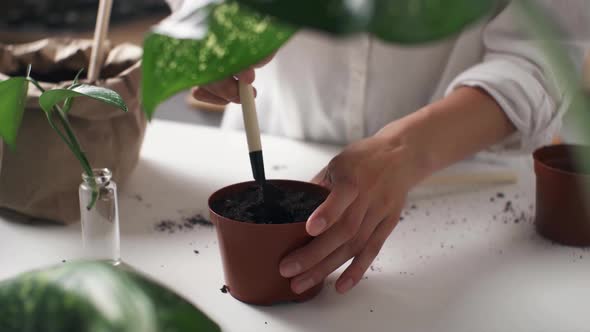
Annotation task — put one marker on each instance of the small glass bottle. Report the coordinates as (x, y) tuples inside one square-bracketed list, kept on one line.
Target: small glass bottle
[(100, 224)]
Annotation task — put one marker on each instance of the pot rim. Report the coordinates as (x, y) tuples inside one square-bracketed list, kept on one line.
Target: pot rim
[(248, 224), (541, 163)]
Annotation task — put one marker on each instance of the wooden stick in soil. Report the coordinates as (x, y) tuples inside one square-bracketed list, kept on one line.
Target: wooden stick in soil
[(100, 32), (269, 192), (252, 131)]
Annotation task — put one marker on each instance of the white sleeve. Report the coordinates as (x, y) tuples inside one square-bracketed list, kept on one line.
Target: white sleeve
[(515, 73)]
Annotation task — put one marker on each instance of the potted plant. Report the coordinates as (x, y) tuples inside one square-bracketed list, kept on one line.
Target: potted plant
[(96, 131)]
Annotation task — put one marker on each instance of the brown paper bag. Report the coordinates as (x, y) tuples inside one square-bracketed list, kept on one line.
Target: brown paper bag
[(40, 178)]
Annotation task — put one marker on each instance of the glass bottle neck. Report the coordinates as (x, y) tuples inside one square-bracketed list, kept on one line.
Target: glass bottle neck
[(101, 176)]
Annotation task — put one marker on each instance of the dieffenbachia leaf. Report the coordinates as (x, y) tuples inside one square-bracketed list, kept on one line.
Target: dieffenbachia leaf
[(54, 97), (397, 21), (91, 297), (205, 41), (13, 93)]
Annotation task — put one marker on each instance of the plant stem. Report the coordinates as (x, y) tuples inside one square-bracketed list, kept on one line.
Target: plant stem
[(35, 83), (72, 143), (57, 130), (77, 149), (48, 115)]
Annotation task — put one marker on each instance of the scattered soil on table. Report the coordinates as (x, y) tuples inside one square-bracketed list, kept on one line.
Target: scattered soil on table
[(279, 167), (197, 219), (500, 195), (511, 214), (186, 224), (376, 268), (248, 206), (224, 289), (164, 226), (508, 207), (63, 261), (196, 252)]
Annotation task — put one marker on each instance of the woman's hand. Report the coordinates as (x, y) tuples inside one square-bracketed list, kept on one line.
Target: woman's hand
[(369, 181), (226, 91)]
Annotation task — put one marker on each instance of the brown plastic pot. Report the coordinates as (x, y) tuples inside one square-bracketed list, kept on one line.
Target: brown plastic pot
[(251, 252), (562, 199)]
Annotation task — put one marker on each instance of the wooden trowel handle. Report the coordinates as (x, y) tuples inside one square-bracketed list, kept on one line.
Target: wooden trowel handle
[(252, 130)]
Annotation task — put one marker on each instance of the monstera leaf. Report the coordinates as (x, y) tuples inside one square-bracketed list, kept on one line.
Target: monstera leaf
[(94, 297), (398, 21), (203, 42)]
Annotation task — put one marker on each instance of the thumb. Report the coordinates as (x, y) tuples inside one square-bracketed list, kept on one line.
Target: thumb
[(320, 178)]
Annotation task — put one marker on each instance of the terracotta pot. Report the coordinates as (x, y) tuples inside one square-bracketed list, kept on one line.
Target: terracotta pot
[(251, 252), (563, 195)]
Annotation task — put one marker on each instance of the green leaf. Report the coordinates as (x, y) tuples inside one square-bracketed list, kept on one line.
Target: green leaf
[(398, 21), (51, 98), (421, 21), (205, 43), (68, 102), (13, 94), (333, 16), (93, 296)]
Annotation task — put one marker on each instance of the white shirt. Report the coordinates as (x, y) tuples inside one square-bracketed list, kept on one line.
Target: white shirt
[(332, 90)]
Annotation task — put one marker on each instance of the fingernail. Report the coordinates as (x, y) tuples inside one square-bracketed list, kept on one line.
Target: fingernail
[(346, 285), (289, 270), (316, 226), (303, 285)]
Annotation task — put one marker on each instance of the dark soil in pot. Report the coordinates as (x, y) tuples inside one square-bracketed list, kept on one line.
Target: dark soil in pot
[(248, 206)]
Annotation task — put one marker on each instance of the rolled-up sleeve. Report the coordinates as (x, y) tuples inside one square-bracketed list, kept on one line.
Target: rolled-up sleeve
[(516, 74)]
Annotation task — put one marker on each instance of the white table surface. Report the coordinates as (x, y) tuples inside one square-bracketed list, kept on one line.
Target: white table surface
[(449, 266)]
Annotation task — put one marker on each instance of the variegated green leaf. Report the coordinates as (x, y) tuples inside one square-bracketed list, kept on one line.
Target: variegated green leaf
[(204, 42)]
